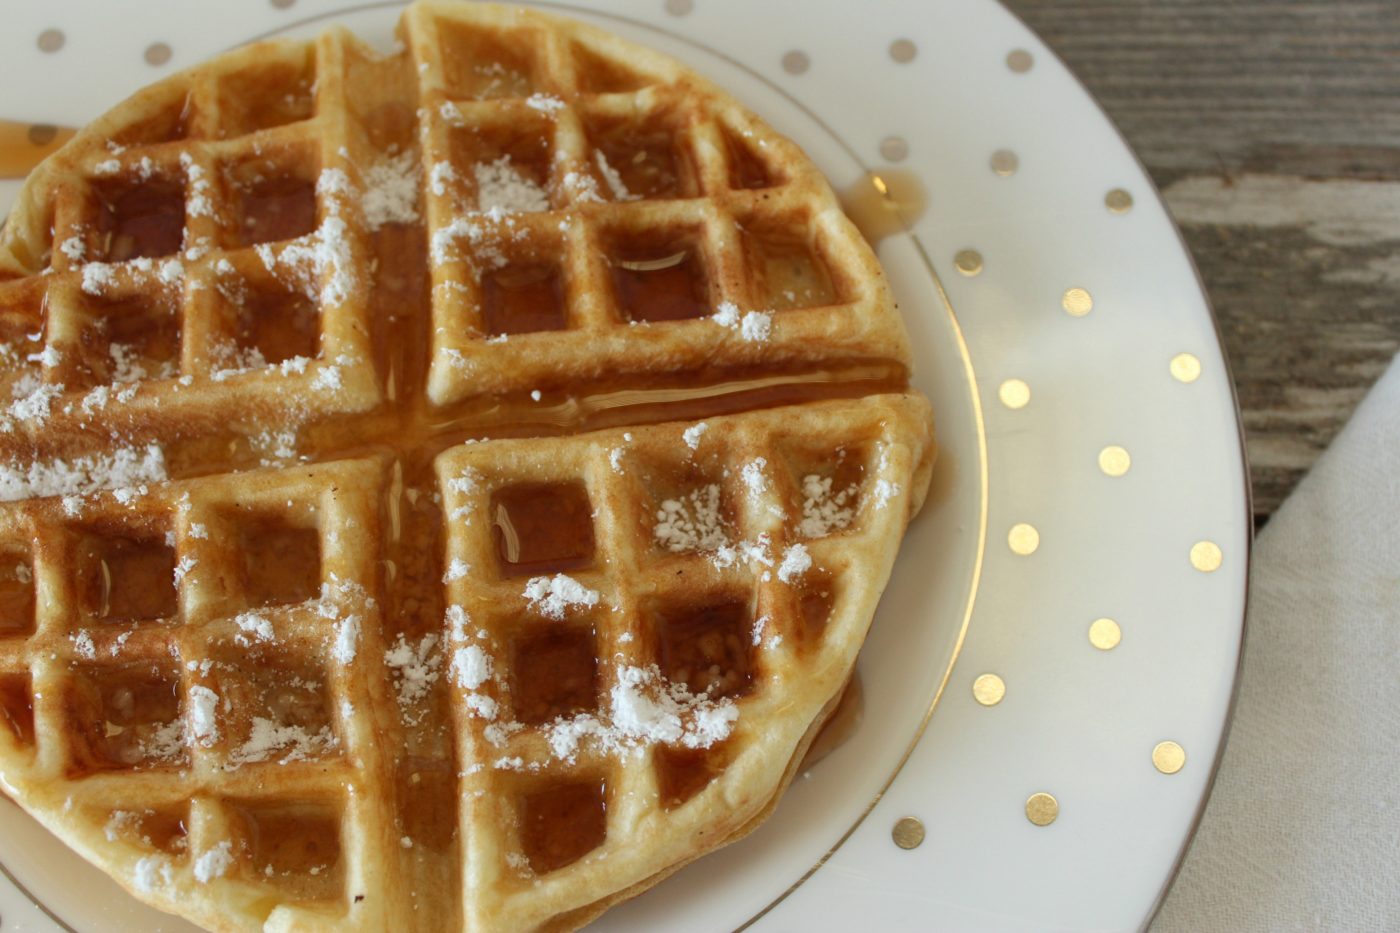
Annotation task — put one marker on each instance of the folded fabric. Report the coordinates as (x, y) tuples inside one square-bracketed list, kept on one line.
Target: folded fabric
[(1302, 831)]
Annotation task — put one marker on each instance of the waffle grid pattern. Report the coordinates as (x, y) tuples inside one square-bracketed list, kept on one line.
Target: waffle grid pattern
[(202, 249), (642, 588), (345, 776), (717, 188), (104, 687)]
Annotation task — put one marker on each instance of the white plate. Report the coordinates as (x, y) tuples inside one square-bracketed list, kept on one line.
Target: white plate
[(940, 88)]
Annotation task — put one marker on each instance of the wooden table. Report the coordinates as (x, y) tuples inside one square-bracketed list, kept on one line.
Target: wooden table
[(1273, 131)]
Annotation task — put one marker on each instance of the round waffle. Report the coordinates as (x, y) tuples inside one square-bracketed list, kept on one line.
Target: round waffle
[(441, 490)]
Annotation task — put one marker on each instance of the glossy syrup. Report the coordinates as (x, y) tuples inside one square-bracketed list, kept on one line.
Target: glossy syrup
[(542, 529), (522, 299), (281, 564), (561, 823), (128, 579), (16, 595), (17, 707), (663, 282), (882, 204), (845, 718), (554, 673), (707, 647)]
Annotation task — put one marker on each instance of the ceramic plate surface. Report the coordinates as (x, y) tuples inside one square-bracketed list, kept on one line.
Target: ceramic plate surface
[(1086, 540)]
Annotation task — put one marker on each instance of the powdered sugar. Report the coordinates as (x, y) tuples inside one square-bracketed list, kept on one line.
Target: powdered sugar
[(796, 562), (754, 477), (692, 522), (269, 738), (322, 263), (471, 666), (544, 103), (151, 871), (499, 185), (553, 596), (456, 570), (347, 639), (391, 192), (692, 434), (753, 326), (645, 708), (203, 725), (213, 862), (416, 669), (824, 511), (253, 625), (123, 468)]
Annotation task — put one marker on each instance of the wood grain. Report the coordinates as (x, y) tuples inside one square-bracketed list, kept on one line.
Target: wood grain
[(1273, 130)]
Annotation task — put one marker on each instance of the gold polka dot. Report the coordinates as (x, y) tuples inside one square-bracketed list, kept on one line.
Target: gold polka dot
[(908, 833), (796, 62), (1077, 302), (1114, 460), (1004, 162), (894, 148), (1168, 757), (157, 53), (1206, 556), (1185, 368), (1019, 61), (968, 262), (988, 689), (1104, 634), (41, 134), (51, 40), (1023, 539), (1118, 201), (1042, 809), (679, 7), (903, 50), (1014, 394)]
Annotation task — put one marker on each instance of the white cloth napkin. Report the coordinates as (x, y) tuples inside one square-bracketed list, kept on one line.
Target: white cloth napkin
[(1303, 829)]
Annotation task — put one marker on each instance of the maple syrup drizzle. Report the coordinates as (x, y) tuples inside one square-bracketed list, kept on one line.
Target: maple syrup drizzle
[(542, 529), (523, 299), (299, 843), (16, 595), (128, 579), (562, 823), (840, 725), (885, 203), (663, 282), (281, 564), (275, 209), (554, 672), (145, 218)]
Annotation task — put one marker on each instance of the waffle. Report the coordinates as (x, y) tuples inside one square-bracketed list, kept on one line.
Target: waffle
[(438, 490)]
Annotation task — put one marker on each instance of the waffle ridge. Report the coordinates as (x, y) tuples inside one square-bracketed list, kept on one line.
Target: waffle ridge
[(285, 642)]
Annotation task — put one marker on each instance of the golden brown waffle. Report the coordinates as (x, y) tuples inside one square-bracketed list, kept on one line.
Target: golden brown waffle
[(443, 490)]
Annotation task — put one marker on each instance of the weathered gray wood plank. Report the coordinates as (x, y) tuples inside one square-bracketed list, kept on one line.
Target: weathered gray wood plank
[(1273, 129)]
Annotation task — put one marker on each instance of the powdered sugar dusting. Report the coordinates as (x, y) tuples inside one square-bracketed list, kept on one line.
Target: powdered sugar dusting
[(692, 434), (553, 596), (796, 562), (213, 862), (125, 467), (500, 186), (203, 725), (692, 522), (391, 192)]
